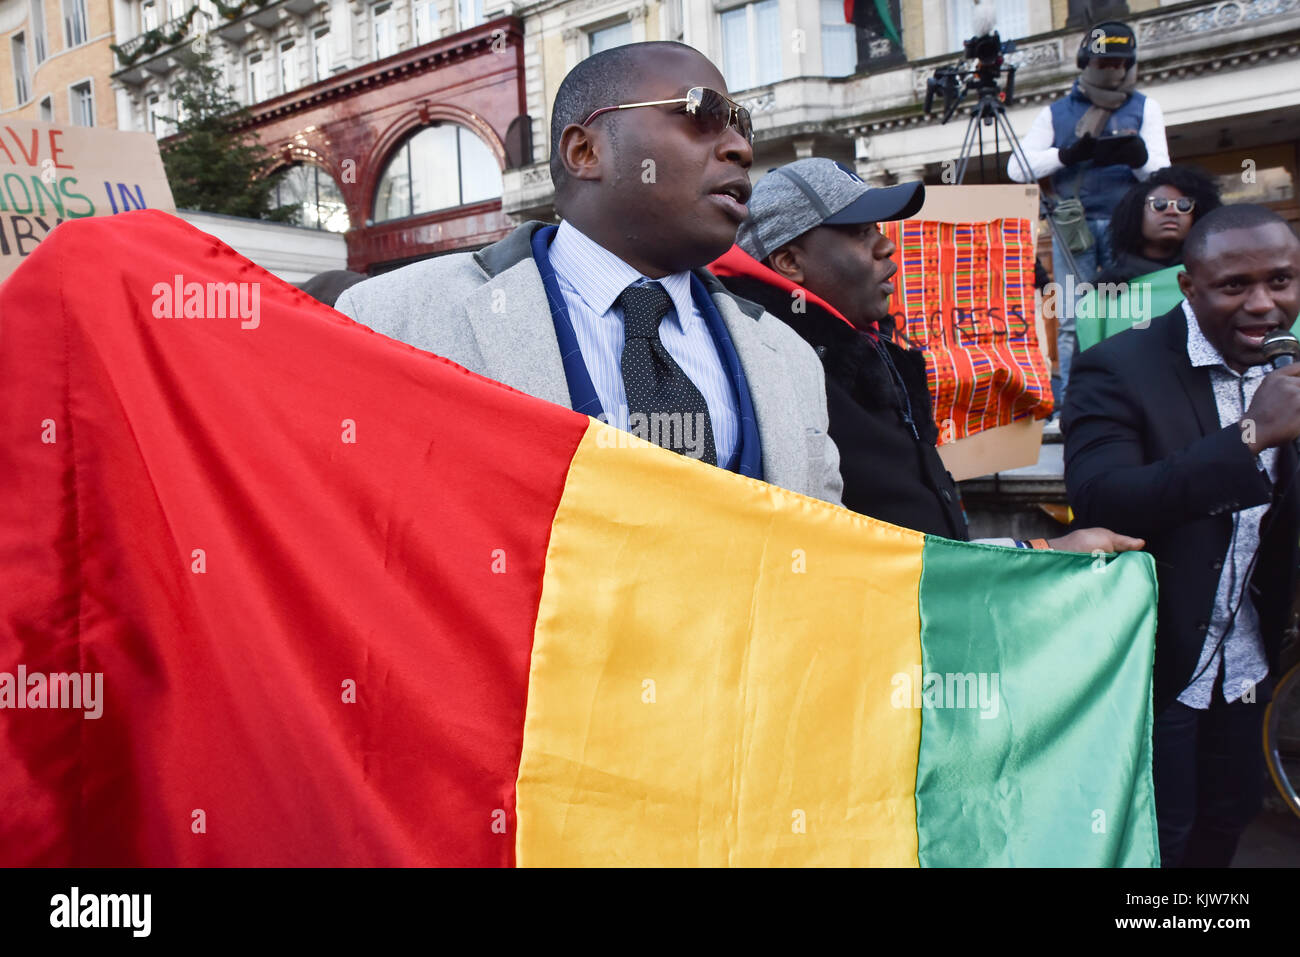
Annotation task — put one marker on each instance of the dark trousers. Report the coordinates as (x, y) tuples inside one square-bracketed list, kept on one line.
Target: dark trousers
[(1208, 768)]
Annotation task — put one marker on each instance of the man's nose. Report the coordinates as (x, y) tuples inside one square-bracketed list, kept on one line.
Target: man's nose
[(885, 249), (1259, 300), (734, 148)]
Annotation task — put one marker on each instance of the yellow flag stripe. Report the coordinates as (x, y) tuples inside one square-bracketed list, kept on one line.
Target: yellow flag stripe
[(712, 673)]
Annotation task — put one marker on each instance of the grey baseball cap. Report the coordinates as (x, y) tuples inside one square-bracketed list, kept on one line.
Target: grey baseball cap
[(797, 197)]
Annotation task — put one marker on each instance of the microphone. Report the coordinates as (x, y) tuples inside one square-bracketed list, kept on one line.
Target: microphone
[(1281, 348)]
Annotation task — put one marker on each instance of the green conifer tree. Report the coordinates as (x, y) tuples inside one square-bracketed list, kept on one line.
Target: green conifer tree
[(214, 163)]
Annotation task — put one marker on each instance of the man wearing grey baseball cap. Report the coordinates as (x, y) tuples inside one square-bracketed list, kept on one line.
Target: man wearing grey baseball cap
[(812, 255)]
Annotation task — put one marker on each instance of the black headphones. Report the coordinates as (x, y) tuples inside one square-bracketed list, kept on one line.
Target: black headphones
[(1099, 30)]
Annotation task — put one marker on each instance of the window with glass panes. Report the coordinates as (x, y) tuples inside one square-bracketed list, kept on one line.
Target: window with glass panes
[(383, 31), (38, 31), (18, 56), (751, 44), (440, 167), (74, 22), (839, 41), (318, 198), (256, 83), (83, 104), (469, 13), (320, 53), (615, 36), (424, 15), (288, 66)]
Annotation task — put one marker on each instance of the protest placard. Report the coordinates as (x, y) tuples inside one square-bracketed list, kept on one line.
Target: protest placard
[(50, 173)]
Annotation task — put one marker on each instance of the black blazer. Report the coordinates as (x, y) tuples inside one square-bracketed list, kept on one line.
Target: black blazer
[(890, 471), (1145, 456)]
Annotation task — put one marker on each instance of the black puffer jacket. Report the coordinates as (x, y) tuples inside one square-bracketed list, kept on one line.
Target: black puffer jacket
[(881, 416)]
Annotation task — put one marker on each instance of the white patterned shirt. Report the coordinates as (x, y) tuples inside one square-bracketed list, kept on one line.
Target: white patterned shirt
[(1241, 655), (591, 278)]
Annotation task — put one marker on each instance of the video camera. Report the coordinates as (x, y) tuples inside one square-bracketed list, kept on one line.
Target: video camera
[(953, 82)]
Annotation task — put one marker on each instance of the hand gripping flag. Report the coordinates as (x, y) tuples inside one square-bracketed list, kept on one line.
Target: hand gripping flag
[(348, 604)]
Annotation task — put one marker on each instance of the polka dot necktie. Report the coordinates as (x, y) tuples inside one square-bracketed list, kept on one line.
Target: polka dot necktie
[(663, 404)]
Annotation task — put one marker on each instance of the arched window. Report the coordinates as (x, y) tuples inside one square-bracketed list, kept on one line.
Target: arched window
[(314, 192), (440, 167)]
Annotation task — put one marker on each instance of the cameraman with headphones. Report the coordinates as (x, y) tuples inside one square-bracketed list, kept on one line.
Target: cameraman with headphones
[(1091, 145)]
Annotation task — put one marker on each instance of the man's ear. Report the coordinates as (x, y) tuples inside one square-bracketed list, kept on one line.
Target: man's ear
[(1185, 284), (788, 262), (580, 152)]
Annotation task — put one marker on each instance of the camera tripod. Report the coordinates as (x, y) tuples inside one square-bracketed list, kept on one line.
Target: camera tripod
[(991, 110)]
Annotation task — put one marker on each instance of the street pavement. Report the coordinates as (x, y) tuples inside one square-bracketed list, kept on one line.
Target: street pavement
[(1272, 840)]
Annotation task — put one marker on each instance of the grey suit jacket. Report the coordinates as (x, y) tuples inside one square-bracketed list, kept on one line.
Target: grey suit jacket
[(487, 311)]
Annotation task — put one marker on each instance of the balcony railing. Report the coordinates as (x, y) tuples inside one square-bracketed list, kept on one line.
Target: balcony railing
[(233, 21), (150, 42)]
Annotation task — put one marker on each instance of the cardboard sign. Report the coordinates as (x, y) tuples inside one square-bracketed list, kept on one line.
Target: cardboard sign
[(49, 173), (1015, 444)]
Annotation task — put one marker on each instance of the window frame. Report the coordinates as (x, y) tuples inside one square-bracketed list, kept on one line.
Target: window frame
[(847, 29), (591, 32), (390, 22), (432, 7), (254, 71), (41, 36), (753, 80), (286, 54), (22, 81), (317, 172), (405, 145), (46, 101), (73, 102), (474, 8), (69, 21), (320, 41)]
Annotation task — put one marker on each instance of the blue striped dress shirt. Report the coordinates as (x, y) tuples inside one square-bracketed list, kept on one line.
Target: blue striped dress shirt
[(590, 279)]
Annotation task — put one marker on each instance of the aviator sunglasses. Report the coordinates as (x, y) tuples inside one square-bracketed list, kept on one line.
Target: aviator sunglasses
[(1159, 204), (711, 111)]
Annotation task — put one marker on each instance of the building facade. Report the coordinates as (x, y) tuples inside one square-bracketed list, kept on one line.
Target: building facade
[(1223, 72), (55, 62), (417, 127), (391, 122)]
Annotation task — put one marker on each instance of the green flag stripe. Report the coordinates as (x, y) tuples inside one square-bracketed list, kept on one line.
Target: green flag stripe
[(1036, 708)]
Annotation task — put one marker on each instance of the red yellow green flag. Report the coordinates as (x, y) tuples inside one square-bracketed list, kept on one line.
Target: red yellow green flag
[(333, 600)]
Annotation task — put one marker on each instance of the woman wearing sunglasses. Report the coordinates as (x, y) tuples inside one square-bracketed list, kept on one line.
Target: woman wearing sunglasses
[(1152, 219)]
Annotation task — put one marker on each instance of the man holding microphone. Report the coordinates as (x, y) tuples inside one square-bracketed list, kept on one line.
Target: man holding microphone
[(1179, 433)]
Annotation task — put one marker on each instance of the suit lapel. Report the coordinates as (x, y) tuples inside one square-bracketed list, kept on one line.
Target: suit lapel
[(780, 433), (509, 311), (1195, 381)]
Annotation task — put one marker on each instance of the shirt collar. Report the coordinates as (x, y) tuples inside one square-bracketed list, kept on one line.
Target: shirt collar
[(599, 277), (1201, 351)]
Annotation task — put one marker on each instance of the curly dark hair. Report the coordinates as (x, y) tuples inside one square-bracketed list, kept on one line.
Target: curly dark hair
[(1126, 221)]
